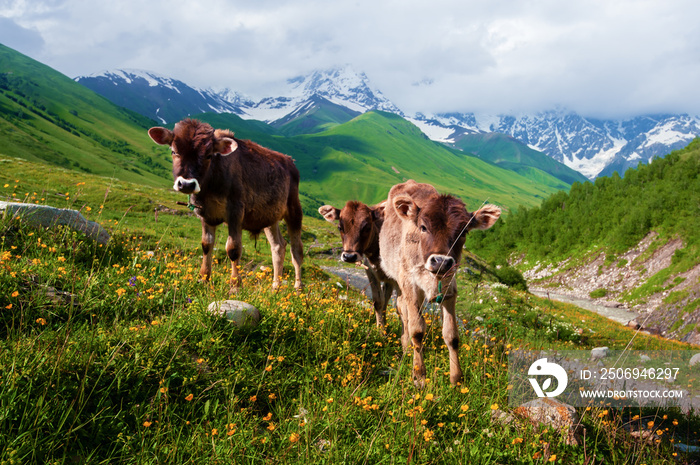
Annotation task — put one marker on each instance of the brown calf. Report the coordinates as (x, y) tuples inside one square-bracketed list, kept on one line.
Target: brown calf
[(239, 183), (359, 227), (421, 245)]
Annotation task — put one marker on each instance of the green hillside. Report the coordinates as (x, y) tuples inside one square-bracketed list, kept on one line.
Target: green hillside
[(363, 158), (319, 115), (614, 212), (46, 116), (506, 152)]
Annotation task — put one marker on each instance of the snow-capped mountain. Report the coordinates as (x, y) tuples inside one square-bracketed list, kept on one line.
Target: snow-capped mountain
[(160, 97), (341, 86), (167, 100), (593, 147)]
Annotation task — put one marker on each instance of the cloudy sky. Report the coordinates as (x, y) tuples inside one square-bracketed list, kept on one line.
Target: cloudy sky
[(604, 58)]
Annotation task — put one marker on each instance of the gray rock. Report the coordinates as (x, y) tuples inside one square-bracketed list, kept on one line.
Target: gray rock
[(49, 217), (242, 314), (599, 353), (695, 360), (644, 358)]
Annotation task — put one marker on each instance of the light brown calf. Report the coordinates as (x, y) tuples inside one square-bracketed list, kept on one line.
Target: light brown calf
[(359, 227), (240, 183), (421, 244)]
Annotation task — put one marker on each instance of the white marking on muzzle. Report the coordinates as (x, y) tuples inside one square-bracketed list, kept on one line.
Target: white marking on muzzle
[(180, 181), (439, 264)]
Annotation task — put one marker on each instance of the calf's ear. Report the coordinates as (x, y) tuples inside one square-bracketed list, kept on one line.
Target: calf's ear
[(378, 212), (225, 146), (330, 213), (405, 207), (161, 136), (485, 217)]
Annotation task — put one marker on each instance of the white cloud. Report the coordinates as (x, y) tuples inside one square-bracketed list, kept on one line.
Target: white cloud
[(597, 57)]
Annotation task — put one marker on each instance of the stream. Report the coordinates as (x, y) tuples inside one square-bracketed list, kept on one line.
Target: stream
[(620, 315)]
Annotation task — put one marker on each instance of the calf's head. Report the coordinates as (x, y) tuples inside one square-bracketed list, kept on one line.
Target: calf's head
[(193, 144), (359, 227), (435, 230)]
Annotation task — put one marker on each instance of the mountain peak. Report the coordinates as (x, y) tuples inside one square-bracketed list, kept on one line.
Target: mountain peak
[(340, 85)]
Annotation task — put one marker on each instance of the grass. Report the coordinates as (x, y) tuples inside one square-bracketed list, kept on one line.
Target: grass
[(108, 355)]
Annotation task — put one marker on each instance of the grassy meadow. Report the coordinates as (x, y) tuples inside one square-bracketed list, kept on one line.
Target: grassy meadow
[(108, 355)]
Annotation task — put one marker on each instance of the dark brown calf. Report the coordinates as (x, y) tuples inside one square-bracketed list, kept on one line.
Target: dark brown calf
[(239, 183), (359, 227), (421, 245)]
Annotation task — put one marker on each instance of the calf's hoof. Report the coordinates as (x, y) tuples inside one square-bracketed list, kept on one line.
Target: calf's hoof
[(419, 382)]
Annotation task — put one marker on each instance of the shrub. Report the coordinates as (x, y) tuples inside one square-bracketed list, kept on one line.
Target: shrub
[(598, 293), (512, 278)]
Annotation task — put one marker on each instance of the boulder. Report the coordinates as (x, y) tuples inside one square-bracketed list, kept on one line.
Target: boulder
[(695, 360), (49, 217), (555, 414), (599, 353), (242, 314)]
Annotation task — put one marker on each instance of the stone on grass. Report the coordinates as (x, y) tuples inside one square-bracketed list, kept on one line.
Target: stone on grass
[(695, 360), (242, 314), (50, 217), (599, 353)]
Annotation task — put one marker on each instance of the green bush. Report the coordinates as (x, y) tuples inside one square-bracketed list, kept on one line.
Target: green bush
[(511, 278), (598, 293)]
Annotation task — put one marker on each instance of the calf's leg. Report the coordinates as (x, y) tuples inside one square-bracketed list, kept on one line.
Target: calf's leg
[(293, 219), (234, 249), (277, 246), (416, 332), (378, 298), (297, 254), (450, 335), (403, 314), (208, 239)]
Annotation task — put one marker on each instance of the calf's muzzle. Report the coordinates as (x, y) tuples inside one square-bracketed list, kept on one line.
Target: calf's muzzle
[(439, 264), (186, 186), (349, 257)]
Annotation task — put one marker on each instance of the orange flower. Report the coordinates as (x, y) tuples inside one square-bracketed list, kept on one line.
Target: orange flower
[(294, 437), (189, 397)]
